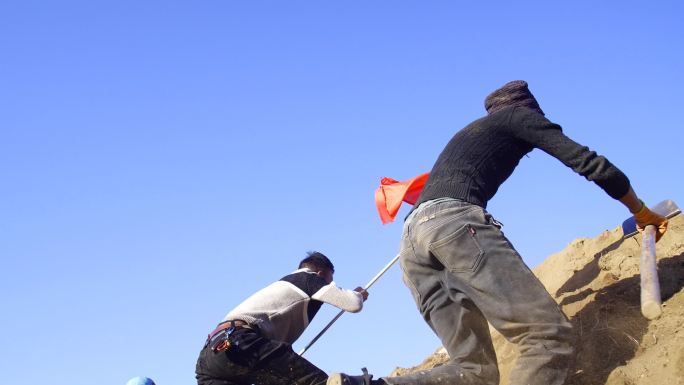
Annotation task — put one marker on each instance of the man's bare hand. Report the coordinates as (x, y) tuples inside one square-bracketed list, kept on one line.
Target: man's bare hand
[(363, 292)]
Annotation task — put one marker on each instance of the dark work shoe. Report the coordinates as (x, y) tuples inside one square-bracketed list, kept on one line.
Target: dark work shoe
[(345, 379)]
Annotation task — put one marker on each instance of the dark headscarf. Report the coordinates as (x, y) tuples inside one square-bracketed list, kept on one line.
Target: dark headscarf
[(513, 93)]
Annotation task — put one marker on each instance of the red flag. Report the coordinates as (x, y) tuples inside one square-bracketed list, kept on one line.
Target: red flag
[(391, 193)]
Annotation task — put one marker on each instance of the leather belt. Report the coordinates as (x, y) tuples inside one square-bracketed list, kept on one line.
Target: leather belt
[(237, 324)]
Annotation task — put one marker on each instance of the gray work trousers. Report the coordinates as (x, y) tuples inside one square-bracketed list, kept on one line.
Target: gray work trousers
[(462, 273)]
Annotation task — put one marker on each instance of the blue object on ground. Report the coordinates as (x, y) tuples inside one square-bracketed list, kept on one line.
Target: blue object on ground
[(140, 381)]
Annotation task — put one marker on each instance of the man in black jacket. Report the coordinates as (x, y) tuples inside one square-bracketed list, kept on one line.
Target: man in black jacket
[(461, 270), (253, 342)]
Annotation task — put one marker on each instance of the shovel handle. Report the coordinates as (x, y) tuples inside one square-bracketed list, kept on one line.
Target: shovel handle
[(650, 287)]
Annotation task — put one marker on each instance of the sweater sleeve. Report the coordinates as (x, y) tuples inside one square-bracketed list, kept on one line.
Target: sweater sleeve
[(347, 300), (534, 129)]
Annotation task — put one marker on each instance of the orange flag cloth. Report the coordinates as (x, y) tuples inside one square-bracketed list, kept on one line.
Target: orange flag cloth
[(391, 193)]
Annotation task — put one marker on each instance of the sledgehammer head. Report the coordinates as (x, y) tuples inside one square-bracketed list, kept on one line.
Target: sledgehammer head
[(666, 208)]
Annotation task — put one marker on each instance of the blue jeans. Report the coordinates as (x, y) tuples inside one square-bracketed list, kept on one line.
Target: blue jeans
[(464, 273)]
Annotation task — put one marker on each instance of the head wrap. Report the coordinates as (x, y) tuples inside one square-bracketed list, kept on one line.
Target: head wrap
[(513, 93)]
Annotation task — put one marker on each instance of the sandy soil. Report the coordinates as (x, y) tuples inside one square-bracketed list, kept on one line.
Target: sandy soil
[(596, 282)]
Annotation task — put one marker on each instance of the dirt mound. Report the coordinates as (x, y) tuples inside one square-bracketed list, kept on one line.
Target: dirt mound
[(596, 282)]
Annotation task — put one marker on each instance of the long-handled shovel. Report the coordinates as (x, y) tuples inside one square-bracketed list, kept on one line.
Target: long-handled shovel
[(650, 287), (368, 285)]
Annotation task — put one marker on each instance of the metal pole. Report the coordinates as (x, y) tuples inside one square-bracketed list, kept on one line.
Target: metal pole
[(368, 285)]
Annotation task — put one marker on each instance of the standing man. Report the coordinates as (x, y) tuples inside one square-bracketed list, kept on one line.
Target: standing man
[(461, 269), (253, 343)]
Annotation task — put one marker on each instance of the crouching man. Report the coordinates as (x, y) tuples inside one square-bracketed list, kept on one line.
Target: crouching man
[(253, 342)]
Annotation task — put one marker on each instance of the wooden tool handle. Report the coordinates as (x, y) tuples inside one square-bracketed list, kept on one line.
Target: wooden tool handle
[(650, 287)]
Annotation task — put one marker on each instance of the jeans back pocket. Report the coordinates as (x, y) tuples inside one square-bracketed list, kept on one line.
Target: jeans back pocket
[(459, 251)]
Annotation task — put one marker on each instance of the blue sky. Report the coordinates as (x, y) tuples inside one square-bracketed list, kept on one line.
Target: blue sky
[(160, 161)]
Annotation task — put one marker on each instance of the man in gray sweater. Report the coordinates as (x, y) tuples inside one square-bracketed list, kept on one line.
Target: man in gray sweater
[(253, 342)]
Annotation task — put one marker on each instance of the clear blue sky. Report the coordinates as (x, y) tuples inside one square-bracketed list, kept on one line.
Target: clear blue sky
[(162, 160)]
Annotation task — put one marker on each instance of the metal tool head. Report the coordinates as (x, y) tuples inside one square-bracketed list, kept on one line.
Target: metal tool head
[(666, 208)]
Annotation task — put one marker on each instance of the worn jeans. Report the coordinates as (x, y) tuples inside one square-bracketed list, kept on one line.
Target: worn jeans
[(254, 359), (462, 273)]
